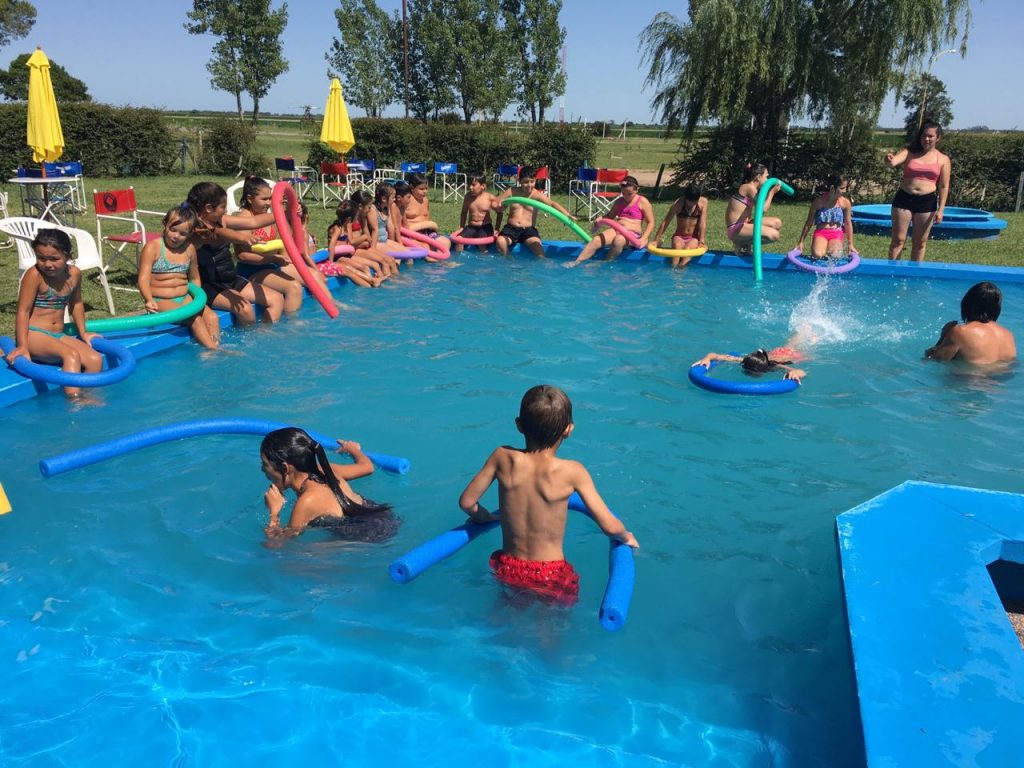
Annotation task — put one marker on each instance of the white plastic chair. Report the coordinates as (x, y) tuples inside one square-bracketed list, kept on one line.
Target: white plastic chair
[(22, 230), (4, 213), (235, 195)]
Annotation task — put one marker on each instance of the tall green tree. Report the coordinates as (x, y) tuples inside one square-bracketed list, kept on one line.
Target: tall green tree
[(431, 59), (925, 98), (472, 48), (247, 56), (364, 56), (66, 87), (760, 63), (16, 19), (537, 37)]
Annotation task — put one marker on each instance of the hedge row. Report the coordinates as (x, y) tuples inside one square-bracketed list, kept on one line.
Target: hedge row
[(110, 141), (986, 168), (475, 148)]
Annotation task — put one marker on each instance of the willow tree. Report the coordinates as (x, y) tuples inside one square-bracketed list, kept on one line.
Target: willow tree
[(760, 63)]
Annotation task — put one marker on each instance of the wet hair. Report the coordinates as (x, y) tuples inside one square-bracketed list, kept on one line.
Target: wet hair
[(251, 187), (478, 178), (759, 361), (291, 445), (402, 189), (527, 172), (631, 181), (915, 145), (693, 191), (751, 171), (415, 179), (55, 238), (345, 212), (206, 193), (183, 212), (544, 414), (982, 303)]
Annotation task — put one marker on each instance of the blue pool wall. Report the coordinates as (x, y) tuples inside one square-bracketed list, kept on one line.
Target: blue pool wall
[(938, 667), (15, 388)]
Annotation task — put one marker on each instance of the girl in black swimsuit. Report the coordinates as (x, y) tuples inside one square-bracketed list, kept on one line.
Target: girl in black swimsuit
[(213, 236), (691, 215)]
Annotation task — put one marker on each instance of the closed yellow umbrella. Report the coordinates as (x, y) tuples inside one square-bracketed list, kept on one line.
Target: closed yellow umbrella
[(45, 137), (336, 131)]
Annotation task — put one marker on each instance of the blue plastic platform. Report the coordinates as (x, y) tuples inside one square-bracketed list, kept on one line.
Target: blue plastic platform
[(956, 224), (940, 671)]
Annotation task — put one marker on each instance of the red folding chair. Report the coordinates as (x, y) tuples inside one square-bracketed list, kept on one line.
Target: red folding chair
[(119, 205), (335, 181)]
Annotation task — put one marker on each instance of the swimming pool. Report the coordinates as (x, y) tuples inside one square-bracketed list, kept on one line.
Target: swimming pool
[(144, 621)]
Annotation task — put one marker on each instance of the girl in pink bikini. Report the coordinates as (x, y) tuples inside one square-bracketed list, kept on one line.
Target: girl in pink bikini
[(739, 212), (921, 198), (633, 211), (830, 215)]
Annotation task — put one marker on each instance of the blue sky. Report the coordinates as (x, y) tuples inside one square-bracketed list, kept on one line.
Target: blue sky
[(137, 53)]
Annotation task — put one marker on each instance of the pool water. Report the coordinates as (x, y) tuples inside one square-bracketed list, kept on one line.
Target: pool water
[(144, 621)]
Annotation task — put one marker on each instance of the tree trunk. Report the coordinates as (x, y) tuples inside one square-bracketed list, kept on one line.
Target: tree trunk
[(238, 102), (255, 111)]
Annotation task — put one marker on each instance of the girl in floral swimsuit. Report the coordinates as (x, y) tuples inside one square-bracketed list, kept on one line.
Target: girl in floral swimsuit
[(830, 216)]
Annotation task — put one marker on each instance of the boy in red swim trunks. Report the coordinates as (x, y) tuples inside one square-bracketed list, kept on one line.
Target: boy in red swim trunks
[(534, 487)]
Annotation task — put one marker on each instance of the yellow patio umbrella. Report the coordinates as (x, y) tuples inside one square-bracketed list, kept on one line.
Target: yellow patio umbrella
[(336, 131), (45, 137)]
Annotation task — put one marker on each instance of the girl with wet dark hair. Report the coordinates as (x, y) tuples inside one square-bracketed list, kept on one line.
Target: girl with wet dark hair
[(292, 460), (763, 360), (924, 187)]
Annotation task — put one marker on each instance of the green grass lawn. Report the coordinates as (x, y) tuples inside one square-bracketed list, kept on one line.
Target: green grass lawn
[(163, 192)]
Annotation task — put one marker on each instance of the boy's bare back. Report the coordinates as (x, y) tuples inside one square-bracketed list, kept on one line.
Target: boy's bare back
[(978, 343), (533, 495)]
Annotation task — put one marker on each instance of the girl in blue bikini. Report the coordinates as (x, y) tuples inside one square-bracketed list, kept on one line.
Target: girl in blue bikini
[(45, 292), (167, 266)]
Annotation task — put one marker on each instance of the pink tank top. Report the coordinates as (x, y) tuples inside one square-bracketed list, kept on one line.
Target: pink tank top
[(632, 211), (915, 169)]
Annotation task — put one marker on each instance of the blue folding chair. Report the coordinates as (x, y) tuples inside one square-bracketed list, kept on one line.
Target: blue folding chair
[(506, 176), (453, 184), (302, 177)]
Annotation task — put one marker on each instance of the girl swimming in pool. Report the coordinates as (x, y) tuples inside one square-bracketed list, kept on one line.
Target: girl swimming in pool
[(167, 266), (43, 295), (292, 460), (739, 213), (690, 213), (763, 360), (830, 215)]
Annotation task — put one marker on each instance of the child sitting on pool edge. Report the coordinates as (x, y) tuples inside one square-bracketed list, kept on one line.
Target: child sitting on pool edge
[(534, 487), (980, 340)]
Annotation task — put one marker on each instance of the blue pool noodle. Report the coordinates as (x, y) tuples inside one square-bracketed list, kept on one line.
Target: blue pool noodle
[(416, 561), (618, 593), (93, 454), (51, 374)]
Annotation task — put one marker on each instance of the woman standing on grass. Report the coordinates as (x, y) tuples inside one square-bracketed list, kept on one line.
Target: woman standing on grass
[(921, 198)]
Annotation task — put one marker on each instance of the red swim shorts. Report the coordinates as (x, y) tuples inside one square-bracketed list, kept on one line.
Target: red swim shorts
[(555, 581)]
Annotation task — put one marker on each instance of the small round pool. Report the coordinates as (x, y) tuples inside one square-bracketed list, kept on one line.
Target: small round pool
[(956, 224)]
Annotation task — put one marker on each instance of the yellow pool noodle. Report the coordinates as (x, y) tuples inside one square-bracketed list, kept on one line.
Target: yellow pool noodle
[(5, 504)]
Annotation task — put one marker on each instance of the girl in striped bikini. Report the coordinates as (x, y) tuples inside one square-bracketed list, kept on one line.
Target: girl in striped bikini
[(46, 291)]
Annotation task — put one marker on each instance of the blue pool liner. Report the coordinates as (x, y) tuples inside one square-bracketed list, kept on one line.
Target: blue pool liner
[(94, 454), (121, 368), (618, 593)]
